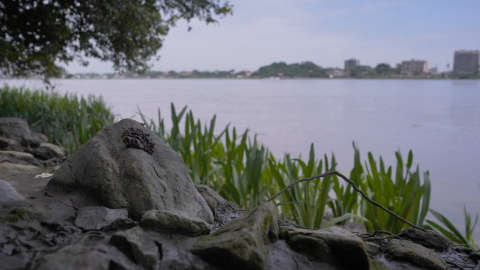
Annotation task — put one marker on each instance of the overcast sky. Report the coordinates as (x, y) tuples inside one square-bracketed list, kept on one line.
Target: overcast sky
[(325, 32)]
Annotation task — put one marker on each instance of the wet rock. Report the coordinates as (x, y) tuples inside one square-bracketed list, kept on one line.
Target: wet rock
[(18, 130), (333, 245), (121, 177), (240, 244), (418, 255), (98, 217), (9, 144), (174, 222), (85, 257), (428, 239), (16, 157), (121, 224), (8, 193), (19, 167), (212, 198), (47, 151), (137, 245), (25, 212)]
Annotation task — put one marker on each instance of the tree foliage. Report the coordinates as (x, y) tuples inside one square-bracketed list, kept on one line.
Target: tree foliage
[(37, 35), (304, 69)]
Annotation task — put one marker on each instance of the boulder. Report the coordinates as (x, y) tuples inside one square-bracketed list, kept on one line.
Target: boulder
[(47, 151), (8, 193), (428, 239), (240, 244), (121, 224), (212, 198), (333, 245), (418, 255), (139, 173), (98, 217), (85, 257), (137, 245), (18, 130), (174, 222)]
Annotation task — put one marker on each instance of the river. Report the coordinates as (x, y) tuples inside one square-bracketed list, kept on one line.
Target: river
[(438, 119)]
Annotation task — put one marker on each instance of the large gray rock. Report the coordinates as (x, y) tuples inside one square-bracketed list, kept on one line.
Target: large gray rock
[(424, 258), (174, 222), (121, 177), (136, 244), (48, 151), (333, 245), (8, 193), (240, 244), (85, 257), (98, 217), (18, 130), (428, 239)]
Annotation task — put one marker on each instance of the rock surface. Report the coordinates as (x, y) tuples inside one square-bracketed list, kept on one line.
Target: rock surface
[(429, 239), (333, 245), (121, 177), (98, 217), (418, 255), (136, 244), (19, 167), (241, 243), (85, 257), (174, 222), (18, 130)]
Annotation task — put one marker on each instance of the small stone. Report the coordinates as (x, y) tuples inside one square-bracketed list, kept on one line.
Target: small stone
[(174, 222), (136, 244), (98, 217), (8, 193)]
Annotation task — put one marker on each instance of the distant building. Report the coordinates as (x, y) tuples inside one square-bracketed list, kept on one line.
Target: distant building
[(433, 71), (336, 73), (465, 62), (413, 66), (351, 63), (244, 73)]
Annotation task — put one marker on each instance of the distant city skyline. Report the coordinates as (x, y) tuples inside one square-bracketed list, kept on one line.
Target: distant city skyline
[(327, 33)]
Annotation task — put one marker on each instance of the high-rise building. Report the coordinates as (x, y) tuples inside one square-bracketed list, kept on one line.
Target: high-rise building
[(351, 63), (465, 62), (413, 66)]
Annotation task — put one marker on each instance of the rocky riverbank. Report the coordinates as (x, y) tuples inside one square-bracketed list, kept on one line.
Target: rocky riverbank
[(124, 200)]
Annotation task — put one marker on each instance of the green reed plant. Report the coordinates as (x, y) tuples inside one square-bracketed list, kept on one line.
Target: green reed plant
[(66, 119), (305, 202), (403, 194), (452, 232)]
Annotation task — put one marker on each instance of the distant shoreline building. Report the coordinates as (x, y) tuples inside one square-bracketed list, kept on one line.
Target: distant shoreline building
[(465, 62), (413, 66), (351, 63)]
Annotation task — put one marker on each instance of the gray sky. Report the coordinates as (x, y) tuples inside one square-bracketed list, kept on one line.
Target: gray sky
[(261, 32)]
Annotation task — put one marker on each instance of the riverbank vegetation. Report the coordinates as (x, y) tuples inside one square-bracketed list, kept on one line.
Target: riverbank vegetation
[(241, 169), (67, 120)]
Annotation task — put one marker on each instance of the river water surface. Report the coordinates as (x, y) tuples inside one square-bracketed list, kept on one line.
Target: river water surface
[(438, 119)]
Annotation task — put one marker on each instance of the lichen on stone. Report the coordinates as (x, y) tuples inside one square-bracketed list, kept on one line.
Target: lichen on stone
[(136, 138)]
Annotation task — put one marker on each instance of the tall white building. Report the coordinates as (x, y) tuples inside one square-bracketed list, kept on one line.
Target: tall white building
[(413, 66)]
